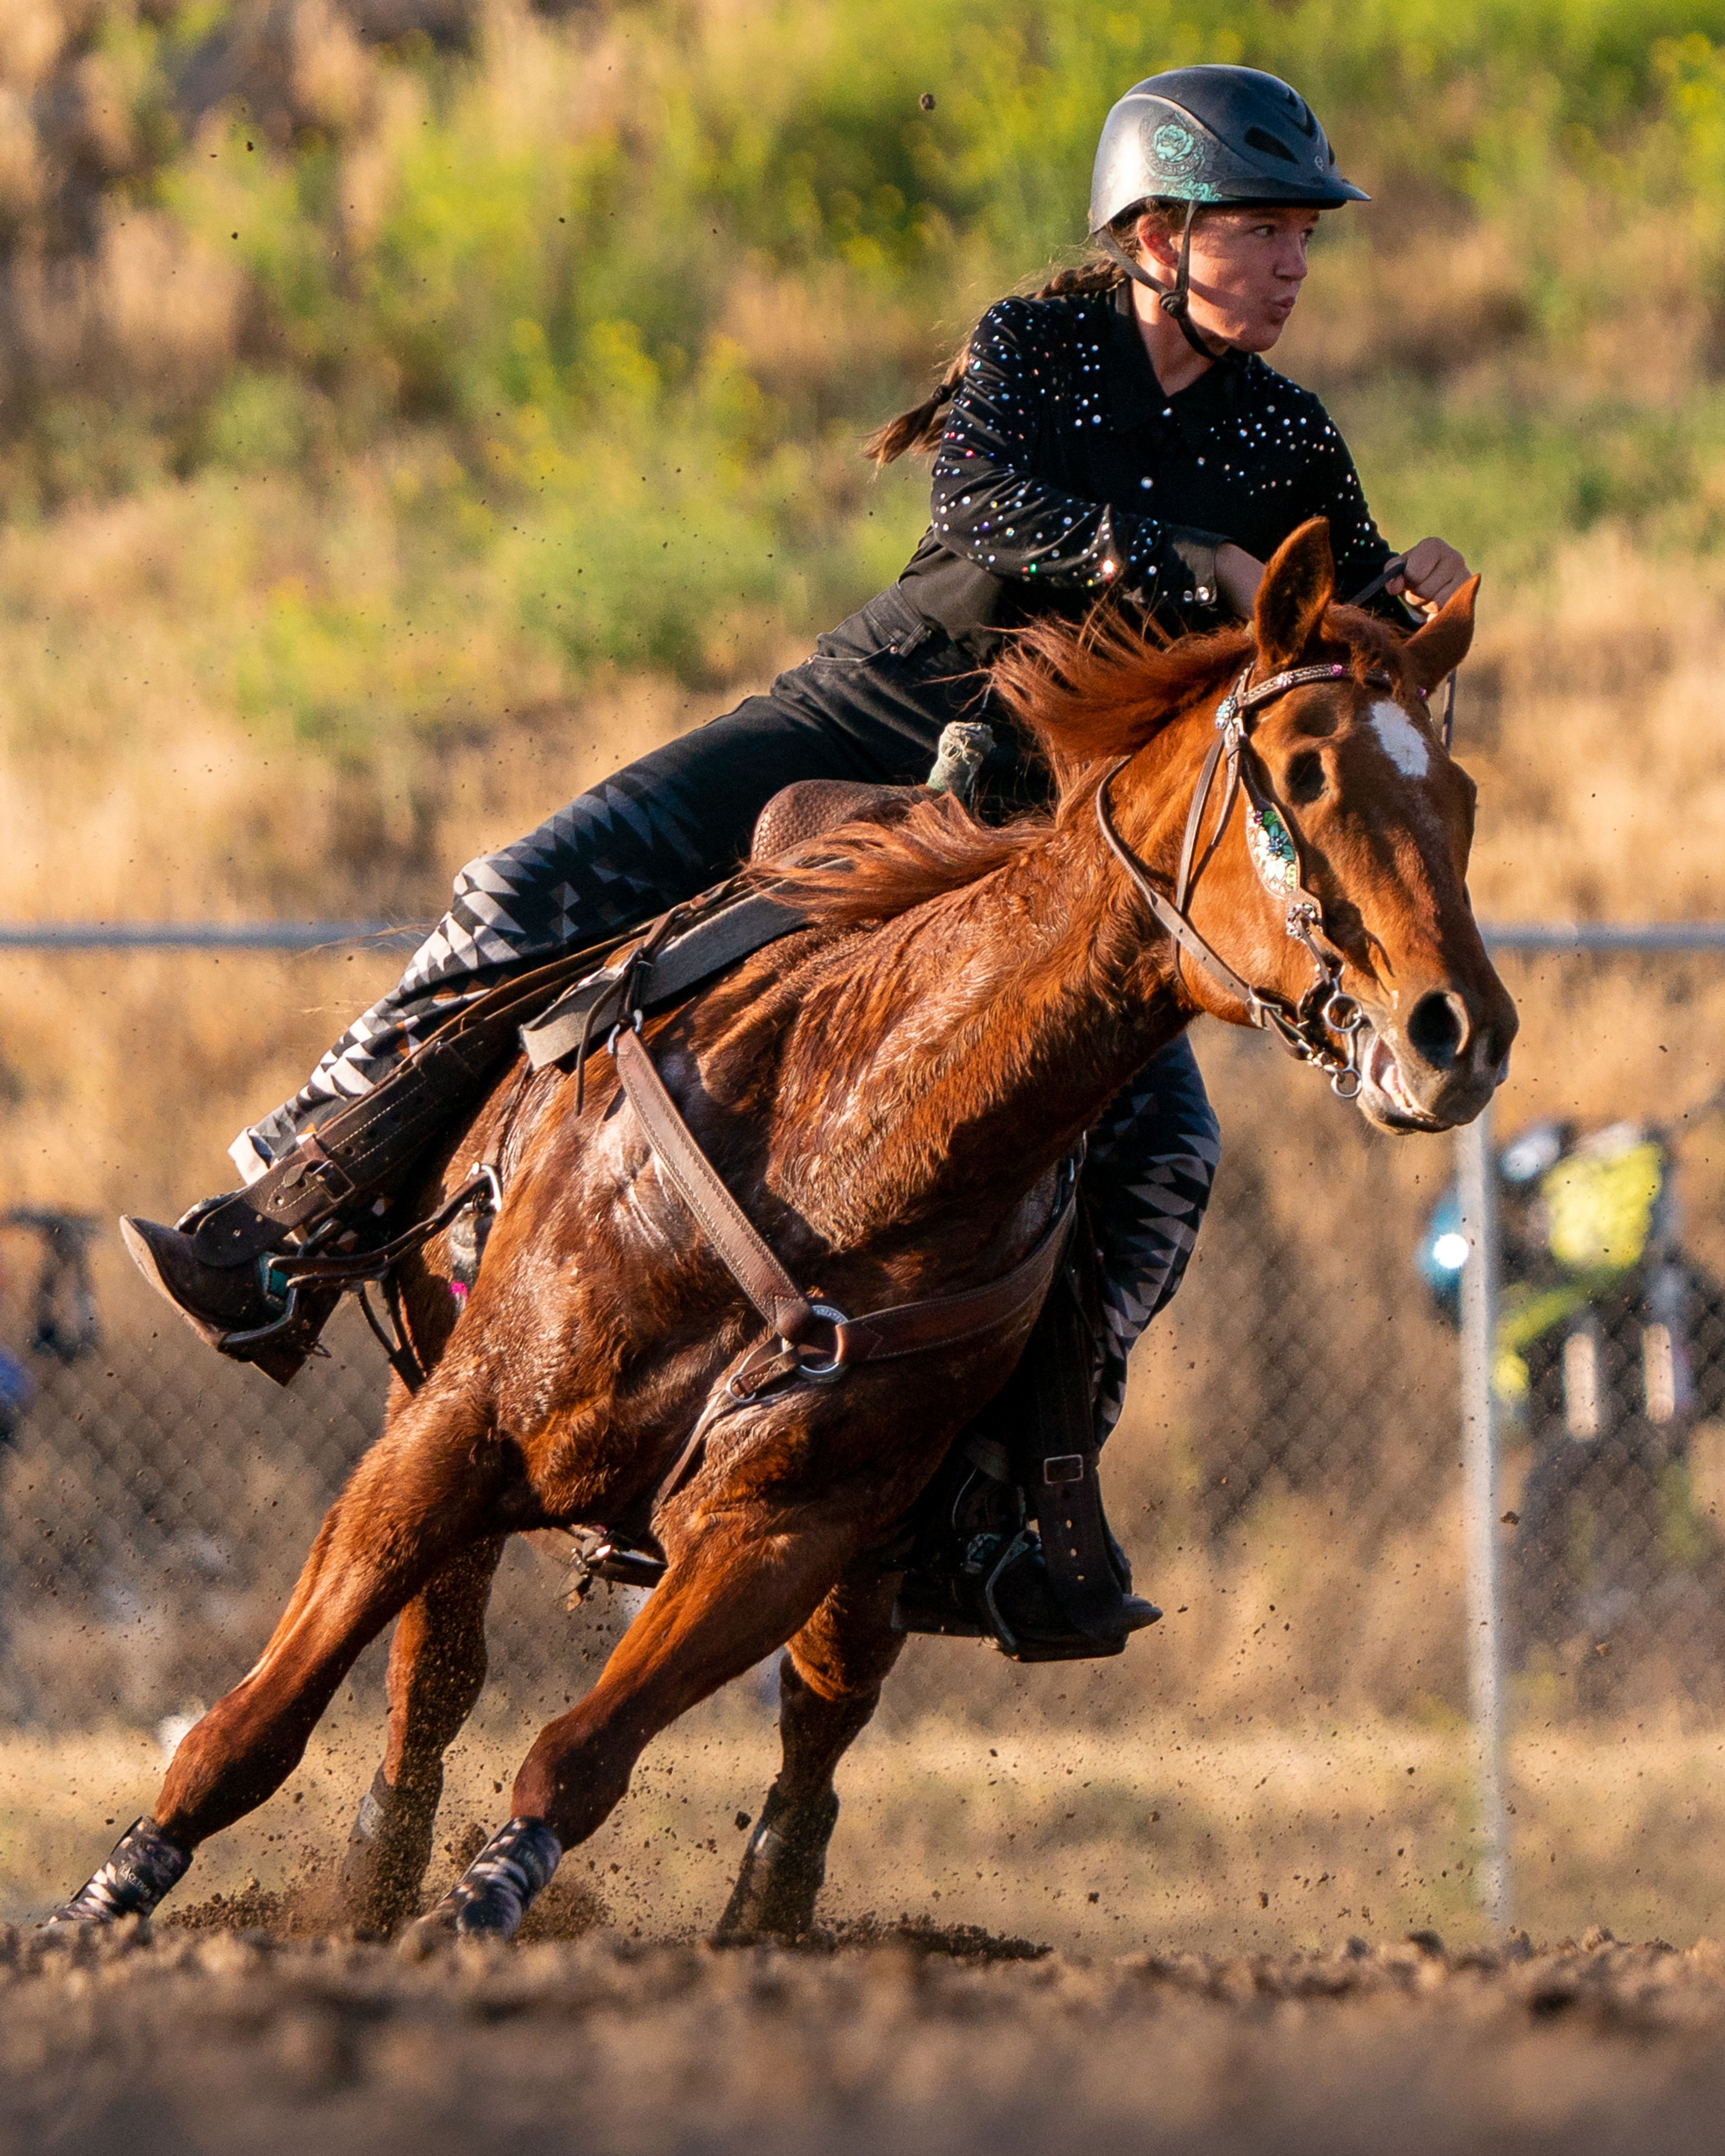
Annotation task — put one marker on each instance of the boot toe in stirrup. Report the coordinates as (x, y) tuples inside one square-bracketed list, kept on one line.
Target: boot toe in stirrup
[(1031, 1626), (225, 1304), (215, 1301)]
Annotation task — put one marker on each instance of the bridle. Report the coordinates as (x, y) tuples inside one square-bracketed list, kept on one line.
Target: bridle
[(1303, 1029)]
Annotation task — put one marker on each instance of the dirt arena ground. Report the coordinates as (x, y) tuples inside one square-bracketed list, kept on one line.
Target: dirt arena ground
[(193, 2040), (1084, 1940)]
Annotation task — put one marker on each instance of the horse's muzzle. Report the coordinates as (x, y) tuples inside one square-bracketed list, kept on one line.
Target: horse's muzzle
[(1436, 1071)]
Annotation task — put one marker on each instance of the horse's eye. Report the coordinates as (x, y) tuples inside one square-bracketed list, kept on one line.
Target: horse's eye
[(1306, 776)]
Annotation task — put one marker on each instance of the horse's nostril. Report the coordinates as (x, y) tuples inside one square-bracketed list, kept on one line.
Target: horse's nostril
[(1437, 1029)]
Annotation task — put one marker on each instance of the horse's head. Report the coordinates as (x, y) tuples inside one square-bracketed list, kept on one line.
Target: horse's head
[(1347, 764)]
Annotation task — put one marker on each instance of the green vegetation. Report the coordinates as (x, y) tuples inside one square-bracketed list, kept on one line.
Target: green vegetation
[(585, 318)]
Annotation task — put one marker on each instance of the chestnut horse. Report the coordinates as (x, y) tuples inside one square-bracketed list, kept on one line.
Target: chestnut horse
[(891, 1093)]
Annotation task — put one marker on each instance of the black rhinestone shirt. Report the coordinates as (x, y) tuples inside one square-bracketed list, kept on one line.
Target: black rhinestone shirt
[(1065, 472)]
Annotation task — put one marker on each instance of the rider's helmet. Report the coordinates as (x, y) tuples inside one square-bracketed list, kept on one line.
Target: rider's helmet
[(1207, 136)]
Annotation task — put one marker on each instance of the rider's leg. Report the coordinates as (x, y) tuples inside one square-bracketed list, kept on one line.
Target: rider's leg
[(1147, 1175), (657, 833), (869, 705), (1152, 1160)]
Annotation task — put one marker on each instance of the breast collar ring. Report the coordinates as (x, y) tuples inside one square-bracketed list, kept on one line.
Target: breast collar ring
[(1305, 1029)]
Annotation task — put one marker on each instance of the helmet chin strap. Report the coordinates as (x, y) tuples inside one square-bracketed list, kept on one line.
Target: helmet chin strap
[(1175, 298)]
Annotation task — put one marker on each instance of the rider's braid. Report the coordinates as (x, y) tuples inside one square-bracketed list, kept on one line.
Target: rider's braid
[(919, 430)]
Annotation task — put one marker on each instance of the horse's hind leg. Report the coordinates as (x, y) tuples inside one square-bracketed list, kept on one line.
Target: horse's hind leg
[(739, 1586), (437, 1670), (829, 1685)]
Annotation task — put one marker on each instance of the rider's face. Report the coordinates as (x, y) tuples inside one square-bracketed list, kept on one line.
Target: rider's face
[(1247, 268)]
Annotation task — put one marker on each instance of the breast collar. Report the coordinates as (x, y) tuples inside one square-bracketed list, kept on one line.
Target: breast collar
[(1304, 1029)]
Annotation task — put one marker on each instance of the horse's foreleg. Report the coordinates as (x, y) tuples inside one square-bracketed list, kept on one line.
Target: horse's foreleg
[(737, 1589), (437, 1670), (412, 1502), (829, 1685)]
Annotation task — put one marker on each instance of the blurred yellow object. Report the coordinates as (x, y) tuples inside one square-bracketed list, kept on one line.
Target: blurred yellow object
[(1599, 1206)]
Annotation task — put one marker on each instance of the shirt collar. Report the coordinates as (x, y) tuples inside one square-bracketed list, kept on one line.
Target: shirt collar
[(1134, 393)]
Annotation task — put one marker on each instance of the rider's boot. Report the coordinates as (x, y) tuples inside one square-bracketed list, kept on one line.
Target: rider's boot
[(239, 1300), (227, 1266), (977, 1569)]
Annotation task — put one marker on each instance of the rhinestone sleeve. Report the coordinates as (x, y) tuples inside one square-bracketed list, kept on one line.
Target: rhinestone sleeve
[(988, 504), (1329, 486)]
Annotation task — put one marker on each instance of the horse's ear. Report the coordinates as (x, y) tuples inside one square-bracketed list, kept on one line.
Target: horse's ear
[(1440, 648), (1296, 591)]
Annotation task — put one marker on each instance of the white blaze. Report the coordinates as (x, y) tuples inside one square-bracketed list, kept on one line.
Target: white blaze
[(1404, 744)]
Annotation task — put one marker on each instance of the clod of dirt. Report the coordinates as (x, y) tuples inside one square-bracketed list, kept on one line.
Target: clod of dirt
[(253, 1909), (568, 1909), (923, 1936), (465, 1846), (309, 1906)]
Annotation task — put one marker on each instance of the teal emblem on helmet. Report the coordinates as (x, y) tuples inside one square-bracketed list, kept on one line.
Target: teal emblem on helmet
[(1176, 150)]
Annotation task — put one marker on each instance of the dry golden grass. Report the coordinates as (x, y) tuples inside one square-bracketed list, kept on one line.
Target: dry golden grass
[(1591, 715)]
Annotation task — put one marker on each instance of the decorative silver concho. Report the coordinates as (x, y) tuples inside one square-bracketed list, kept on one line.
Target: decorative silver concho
[(1272, 851)]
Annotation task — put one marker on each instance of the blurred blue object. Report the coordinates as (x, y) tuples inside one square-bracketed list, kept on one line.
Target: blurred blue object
[(1443, 1252), (18, 1389)]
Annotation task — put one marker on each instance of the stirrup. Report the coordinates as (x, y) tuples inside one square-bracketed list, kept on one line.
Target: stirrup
[(282, 1348), (255, 1325), (973, 1602)]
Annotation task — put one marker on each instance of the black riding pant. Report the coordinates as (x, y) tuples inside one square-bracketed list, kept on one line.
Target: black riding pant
[(868, 705)]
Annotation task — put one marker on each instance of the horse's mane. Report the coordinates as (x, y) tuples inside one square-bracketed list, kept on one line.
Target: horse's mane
[(1085, 693)]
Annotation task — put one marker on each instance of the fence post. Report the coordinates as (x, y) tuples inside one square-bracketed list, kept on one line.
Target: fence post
[(1479, 1505)]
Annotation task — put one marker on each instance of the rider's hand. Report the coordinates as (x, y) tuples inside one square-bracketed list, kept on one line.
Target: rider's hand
[(1431, 572), (1239, 574)]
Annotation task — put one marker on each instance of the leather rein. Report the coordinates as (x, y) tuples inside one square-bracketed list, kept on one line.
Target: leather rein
[(1304, 1029)]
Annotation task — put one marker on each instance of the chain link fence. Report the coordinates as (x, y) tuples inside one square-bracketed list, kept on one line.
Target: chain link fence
[(1294, 1422)]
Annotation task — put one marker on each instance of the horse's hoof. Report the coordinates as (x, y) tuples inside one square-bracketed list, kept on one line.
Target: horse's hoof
[(142, 1867), (387, 1851), (432, 1934), (495, 1891), (783, 1870)]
